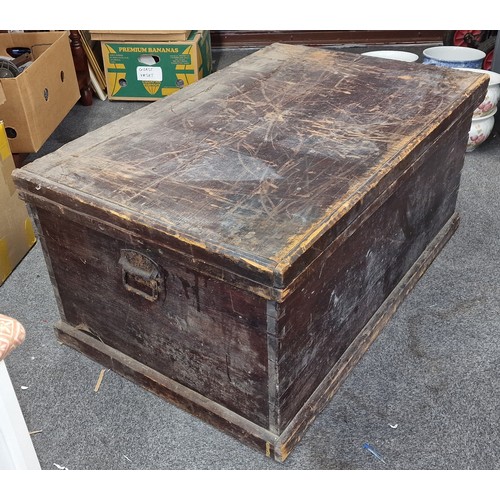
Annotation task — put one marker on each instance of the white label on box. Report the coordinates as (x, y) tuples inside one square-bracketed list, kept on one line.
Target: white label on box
[(149, 73)]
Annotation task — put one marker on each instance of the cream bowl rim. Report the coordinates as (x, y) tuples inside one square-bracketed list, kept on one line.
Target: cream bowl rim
[(382, 54), (484, 117), (460, 54)]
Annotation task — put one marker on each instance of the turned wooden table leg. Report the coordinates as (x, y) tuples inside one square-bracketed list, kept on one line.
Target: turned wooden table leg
[(81, 66)]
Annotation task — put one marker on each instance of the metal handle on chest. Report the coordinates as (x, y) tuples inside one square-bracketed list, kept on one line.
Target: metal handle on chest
[(140, 274)]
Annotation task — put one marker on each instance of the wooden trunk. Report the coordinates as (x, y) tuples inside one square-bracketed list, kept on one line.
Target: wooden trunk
[(236, 247)]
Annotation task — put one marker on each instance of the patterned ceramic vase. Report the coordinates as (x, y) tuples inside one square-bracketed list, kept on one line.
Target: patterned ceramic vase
[(492, 94), (480, 130)]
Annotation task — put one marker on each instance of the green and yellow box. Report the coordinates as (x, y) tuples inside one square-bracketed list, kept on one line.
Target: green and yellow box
[(148, 71)]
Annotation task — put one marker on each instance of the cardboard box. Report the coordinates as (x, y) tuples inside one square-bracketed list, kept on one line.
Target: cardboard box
[(149, 71), (37, 100), (16, 231), (140, 36)]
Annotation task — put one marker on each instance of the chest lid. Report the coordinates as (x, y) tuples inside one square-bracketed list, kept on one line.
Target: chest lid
[(251, 168)]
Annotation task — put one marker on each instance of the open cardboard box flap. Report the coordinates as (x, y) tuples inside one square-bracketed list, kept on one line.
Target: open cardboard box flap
[(35, 102)]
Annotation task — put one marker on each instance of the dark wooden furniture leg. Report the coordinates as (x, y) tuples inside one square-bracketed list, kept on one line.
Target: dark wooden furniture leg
[(81, 66), (19, 159)]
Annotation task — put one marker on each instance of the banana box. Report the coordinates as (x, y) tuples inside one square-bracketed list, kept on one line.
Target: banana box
[(145, 71)]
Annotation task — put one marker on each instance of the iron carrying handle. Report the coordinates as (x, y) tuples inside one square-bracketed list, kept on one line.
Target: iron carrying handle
[(140, 275)]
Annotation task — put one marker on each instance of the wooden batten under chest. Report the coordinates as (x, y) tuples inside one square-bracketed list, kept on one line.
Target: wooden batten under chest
[(236, 247)]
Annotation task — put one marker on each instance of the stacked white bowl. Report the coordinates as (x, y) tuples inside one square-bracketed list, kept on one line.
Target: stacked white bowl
[(469, 59), (483, 117)]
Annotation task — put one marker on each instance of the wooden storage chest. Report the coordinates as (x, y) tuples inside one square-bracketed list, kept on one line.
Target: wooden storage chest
[(236, 247)]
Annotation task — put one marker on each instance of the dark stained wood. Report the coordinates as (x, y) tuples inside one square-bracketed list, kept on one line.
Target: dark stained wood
[(19, 159), (186, 399), (81, 67), (147, 237), (242, 38), (198, 331), (236, 247), (273, 445), (341, 291), (33, 212), (293, 433), (250, 168)]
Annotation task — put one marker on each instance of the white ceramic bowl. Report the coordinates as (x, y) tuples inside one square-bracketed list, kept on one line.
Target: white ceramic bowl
[(454, 57), (397, 55), (492, 94), (480, 130)]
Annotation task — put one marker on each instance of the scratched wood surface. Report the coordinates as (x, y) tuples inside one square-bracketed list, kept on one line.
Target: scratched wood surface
[(341, 291), (254, 164), (235, 248), (200, 332)]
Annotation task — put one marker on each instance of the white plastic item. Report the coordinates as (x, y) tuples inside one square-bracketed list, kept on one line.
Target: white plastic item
[(16, 448)]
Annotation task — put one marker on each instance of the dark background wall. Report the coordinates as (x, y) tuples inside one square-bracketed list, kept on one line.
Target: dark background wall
[(239, 38)]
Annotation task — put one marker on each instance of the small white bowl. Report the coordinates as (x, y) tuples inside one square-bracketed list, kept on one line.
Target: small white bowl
[(397, 55), (454, 57), (492, 94), (480, 130)]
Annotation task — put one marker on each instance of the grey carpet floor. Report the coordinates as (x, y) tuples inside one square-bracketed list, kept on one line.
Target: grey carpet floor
[(426, 395)]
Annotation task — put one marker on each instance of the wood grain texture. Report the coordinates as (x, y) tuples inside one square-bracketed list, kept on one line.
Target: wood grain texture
[(183, 397), (340, 291), (255, 163), (243, 38), (200, 332), (293, 433), (236, 247), (269, 443)]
